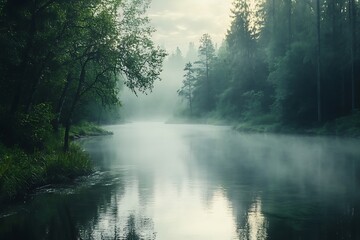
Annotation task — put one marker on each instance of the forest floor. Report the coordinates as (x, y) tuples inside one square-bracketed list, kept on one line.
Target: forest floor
[(22, 172)]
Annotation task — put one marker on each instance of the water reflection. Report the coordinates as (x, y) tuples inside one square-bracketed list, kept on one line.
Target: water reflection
[(158, 181), (255, 227)]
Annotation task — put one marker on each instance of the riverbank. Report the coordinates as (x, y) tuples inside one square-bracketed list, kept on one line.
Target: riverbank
[(21, 172), (87, 129), (348, 126)]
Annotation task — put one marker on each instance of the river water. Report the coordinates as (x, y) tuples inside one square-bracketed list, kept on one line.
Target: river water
[(170, 182)]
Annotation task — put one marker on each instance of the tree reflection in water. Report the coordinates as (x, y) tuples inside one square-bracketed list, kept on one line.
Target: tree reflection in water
[(211, 184)]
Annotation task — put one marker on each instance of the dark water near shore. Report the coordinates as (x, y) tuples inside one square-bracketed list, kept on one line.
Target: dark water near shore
[(169, 182)]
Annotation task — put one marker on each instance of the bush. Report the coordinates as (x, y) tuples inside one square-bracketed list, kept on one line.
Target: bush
[(32, 130), (344, 126)]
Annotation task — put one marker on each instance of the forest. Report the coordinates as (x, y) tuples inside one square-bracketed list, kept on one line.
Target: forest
[(60, 63), (254, 133), (284, 64)]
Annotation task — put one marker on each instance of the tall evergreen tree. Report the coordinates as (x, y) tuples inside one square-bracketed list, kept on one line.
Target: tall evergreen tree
[(206, 58), (187, 89)]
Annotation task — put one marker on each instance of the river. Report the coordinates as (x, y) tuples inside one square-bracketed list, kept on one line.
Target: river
[(187, 182)]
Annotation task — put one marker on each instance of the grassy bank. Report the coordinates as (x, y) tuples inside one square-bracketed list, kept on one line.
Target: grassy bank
[(22, 171), (87, 129), (348, 126)]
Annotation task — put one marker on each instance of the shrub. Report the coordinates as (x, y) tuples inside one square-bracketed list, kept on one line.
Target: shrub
[(33, 129)]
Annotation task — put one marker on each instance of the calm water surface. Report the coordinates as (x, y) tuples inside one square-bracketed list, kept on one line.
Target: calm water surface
[(170, 182)]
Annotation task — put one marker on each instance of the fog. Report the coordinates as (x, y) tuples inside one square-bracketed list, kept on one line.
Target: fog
[(176, 27), (163, 102), (167, 181), (158, 105)]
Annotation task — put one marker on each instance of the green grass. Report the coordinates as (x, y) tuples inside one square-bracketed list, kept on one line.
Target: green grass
[(344, 126), (259, 124), (348, 126), (85, 129), (21, 172)]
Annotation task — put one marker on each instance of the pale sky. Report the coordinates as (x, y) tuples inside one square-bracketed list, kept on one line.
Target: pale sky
[(179, 22)]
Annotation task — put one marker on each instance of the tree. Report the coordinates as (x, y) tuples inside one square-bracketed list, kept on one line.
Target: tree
[(187, 89), (276, 58), (318, 55), (206, 58), (69, 54), (352, 20), (191, 54), (110, 47), (176, 59)]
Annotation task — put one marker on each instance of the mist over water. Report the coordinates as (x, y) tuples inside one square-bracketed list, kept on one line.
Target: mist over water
[(159, 105), (265, 66), (163, 102), (162, 181)]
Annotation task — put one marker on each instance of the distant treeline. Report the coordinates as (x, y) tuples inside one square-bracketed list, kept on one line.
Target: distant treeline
[(295, 62), (63, 61)]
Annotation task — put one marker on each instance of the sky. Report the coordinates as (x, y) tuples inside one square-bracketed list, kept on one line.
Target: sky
[(179, 22)]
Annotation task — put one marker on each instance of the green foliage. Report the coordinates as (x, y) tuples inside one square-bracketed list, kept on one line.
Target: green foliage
[(344, 126), (204, 91), (275, 62), (66, 166), (18, 173), (21, 172), (59, 60), (253, 105), (70, 55), (187, 89), (295, 82), (87, 129), (34, 129)]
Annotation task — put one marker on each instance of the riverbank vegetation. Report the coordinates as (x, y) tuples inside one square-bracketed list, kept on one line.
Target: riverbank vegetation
[(285, 66), (87, 129), (62, 63), (21, 172)]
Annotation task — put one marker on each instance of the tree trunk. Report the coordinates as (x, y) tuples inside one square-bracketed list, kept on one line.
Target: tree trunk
[(190, 100), (319, 105), (66, 136), (100, 115), (333, 22), (33, 89), (207, 85), (61, 103), (352, 49), (24, 65), (73, 105), (273, 16), (289, 22)]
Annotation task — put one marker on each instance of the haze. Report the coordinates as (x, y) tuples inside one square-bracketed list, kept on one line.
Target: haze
[(179, 22)]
